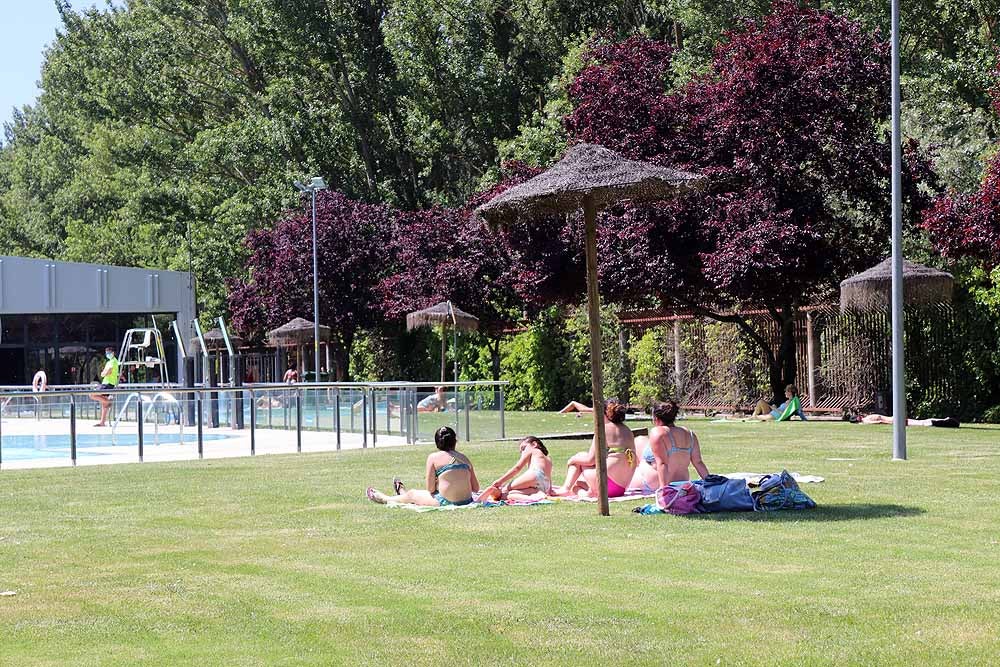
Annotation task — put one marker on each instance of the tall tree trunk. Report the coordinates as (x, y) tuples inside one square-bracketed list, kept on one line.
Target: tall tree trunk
[(783, 367)]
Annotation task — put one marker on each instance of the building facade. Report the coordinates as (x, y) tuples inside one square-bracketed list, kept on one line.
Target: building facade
[(59, 316)]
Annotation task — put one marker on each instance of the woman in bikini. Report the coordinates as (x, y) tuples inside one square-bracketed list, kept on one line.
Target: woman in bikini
[(674, 448), (645, 480), (537, 479), (581, 469), (451, 479)]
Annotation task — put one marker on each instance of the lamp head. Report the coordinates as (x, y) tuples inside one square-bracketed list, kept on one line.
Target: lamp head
[(300, 187), (317, 183)]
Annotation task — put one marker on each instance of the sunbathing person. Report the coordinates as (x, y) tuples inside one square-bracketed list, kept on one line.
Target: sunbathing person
[(674, 448), (645, 479), (581, 469), (575, 406), (436, 402), (792, 406), (536, 480), (450, 479), (947, 422)]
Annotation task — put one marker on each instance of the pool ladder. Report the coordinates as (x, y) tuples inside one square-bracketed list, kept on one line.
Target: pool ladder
[(165, 398)]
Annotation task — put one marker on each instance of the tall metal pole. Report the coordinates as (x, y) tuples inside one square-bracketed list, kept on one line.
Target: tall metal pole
[(315, 290), (898, 379)]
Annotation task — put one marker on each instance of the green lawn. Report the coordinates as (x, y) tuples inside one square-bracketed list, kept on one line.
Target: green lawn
[(281, 560)]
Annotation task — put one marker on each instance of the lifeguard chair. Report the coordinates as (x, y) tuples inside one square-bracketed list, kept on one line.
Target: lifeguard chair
[(143, 348)]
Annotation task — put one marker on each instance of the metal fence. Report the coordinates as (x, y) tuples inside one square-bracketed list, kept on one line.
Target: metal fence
[(843, 360), (329, 415)]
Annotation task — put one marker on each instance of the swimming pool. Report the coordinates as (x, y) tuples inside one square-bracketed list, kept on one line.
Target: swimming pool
[(27, 447)]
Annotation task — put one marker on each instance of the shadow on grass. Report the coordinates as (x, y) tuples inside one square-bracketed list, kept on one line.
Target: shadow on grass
[(821, 513)]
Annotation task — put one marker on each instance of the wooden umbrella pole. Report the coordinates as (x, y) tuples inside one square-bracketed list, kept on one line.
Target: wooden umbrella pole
[(594, 316), (444, 364)]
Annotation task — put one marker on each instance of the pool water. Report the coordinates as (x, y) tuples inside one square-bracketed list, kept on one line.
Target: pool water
[(26, 447)]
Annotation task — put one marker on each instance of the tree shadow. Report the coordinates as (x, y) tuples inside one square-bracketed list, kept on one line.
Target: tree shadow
[(854, 512)]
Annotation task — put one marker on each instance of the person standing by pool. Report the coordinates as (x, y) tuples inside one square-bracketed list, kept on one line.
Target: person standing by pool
[(109, 380), (450, 478)]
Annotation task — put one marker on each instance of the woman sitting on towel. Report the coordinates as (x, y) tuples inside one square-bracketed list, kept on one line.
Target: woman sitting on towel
[(645, 480), (451, 479), (537, 479), (674, 448), (581, 469), (792, 406)]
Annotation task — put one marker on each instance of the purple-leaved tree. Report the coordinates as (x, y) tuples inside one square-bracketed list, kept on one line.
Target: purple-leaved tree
[(789, 123), (351, 239), (968, 225)]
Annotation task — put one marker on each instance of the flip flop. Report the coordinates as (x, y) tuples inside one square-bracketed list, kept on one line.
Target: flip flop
[(397, 485)]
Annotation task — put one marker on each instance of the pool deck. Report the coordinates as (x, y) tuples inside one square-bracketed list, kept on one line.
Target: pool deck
[(236, 443)]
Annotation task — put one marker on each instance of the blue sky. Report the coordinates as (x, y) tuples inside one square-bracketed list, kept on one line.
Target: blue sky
[(26, 28)]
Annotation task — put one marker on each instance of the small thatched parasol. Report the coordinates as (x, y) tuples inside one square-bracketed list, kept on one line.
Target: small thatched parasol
[(215, 341), (590, 177), (922, 285), (298, 331), (444, 314)]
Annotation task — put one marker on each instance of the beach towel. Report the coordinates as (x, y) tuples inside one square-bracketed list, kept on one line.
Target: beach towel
[(449, 508), (755, 477), (631, 494)]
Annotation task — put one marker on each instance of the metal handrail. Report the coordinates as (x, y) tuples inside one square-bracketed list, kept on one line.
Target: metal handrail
[(135, 388), (149, 395)]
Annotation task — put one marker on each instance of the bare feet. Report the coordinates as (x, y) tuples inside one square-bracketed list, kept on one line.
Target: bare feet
[(375, 496)]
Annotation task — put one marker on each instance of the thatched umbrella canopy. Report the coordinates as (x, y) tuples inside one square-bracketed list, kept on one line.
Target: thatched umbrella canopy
[(215, 341), (298, 331), (590, 177), (922, 285), (444, 314)]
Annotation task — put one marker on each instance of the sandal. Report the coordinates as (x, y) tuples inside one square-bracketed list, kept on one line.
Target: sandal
[(397, 486)]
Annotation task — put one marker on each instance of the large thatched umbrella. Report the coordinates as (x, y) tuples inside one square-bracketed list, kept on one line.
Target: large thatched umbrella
[(214, 340), (590, 177), (444, 314), (296, 333), (922, 285)]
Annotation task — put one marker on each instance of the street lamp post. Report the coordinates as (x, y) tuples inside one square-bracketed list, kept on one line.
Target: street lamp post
[(898, 379), (315, 184)]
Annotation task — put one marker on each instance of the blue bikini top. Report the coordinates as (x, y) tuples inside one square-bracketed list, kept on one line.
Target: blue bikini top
[(454, 465), (647, 452)]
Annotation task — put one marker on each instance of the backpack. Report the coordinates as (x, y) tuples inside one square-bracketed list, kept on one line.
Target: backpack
[(780, 492), (681, 499)]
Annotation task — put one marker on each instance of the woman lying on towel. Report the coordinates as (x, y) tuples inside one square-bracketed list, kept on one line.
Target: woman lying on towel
[(674, 448), (581, 469), (536, 480), (946, 422), (451, 479)]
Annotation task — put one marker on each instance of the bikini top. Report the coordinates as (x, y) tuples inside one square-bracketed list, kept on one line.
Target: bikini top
[(647, 452), (629, 454), (454, 465)]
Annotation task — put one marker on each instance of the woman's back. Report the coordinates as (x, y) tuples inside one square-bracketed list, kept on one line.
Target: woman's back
[(453, 471), (680, 445)]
